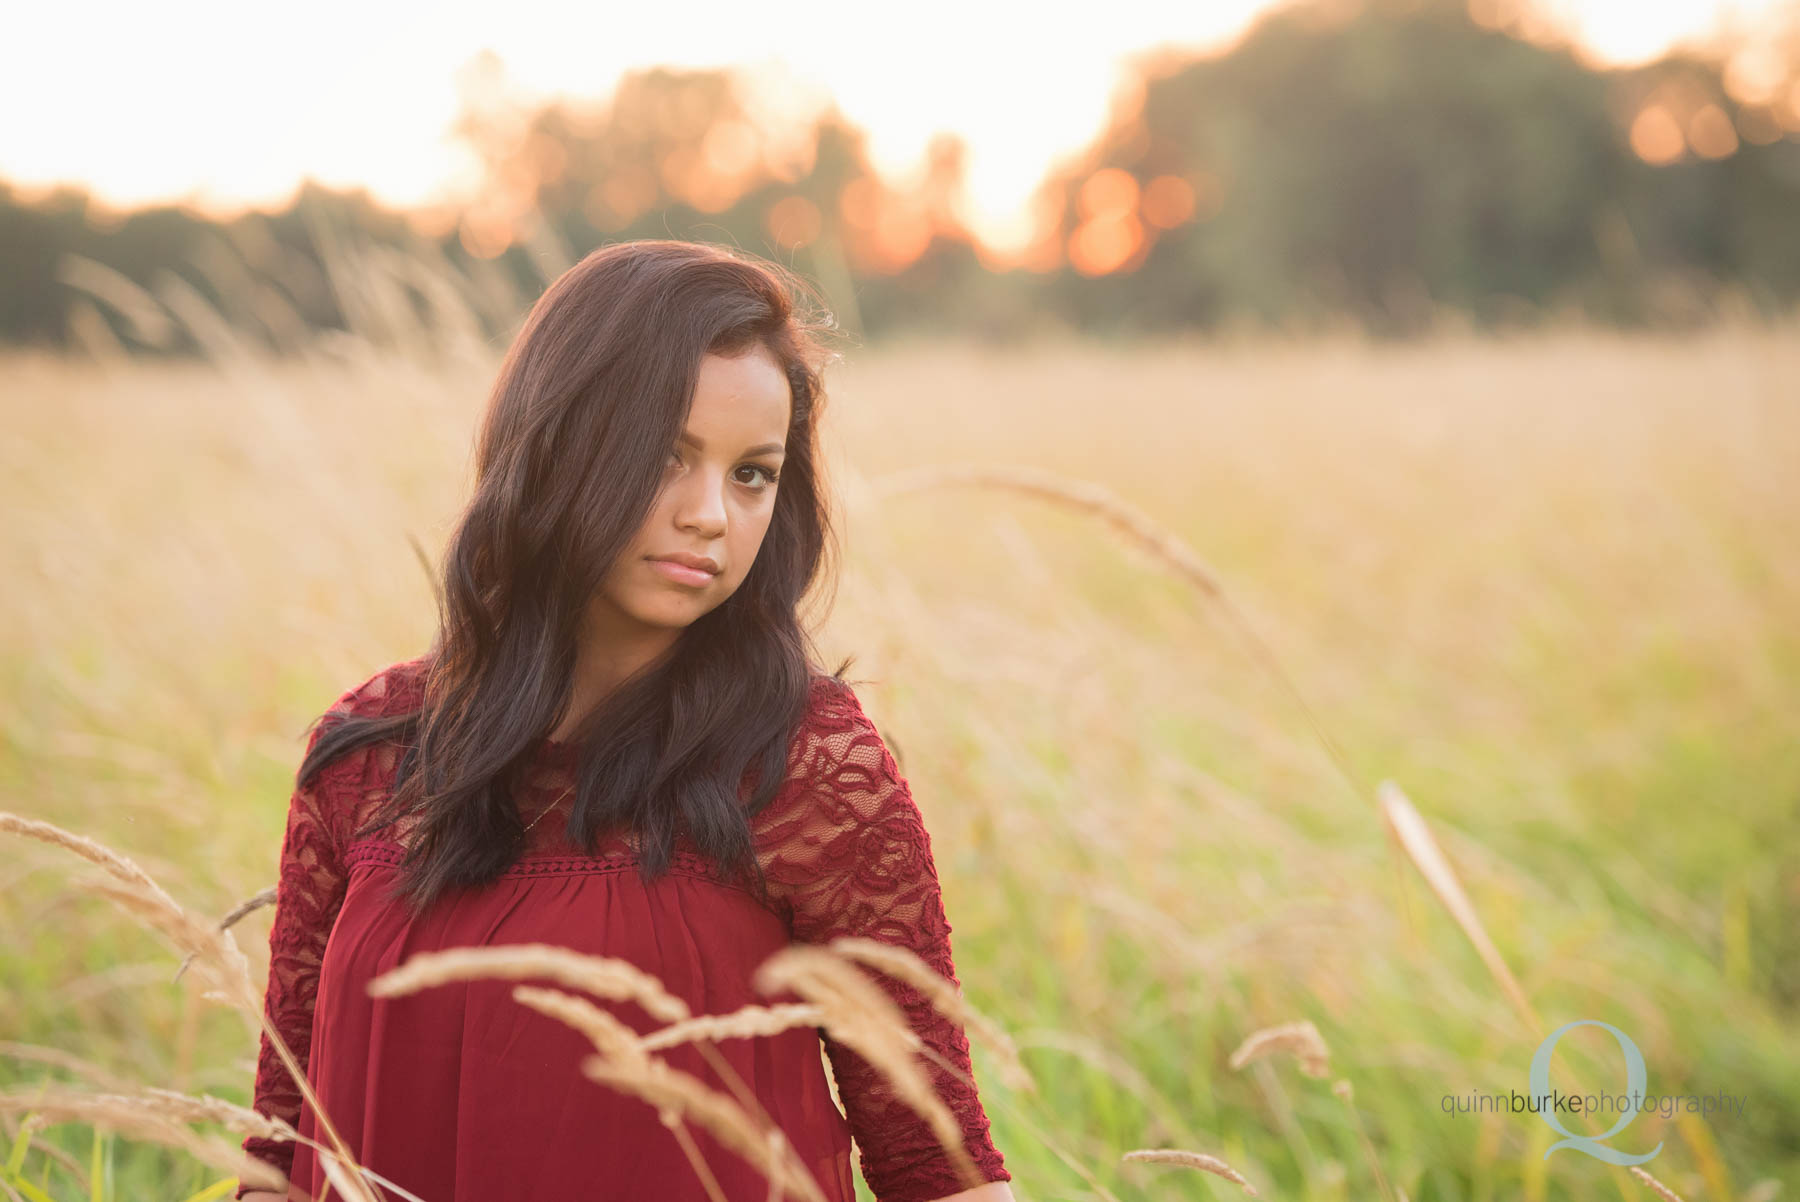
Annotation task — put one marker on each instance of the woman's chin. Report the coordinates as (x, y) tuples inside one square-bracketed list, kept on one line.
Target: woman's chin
[(676, 615)]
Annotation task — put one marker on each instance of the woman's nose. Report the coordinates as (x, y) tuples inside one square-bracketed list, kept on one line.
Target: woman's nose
[(702, 504)]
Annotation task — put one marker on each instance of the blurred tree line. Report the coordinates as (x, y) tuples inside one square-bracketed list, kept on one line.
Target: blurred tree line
[(1391, 163)]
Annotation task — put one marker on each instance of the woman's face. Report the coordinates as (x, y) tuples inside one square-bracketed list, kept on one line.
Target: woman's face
[(717, 497)]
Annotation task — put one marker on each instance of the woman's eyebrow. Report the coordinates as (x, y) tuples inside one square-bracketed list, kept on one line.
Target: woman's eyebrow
[(764, 448)]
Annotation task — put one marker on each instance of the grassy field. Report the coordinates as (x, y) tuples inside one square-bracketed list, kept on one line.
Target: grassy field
[(1547, 587)]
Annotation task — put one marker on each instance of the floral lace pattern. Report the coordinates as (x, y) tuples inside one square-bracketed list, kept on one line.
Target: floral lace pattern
[(843, 847), (848, 852), (308, 896)]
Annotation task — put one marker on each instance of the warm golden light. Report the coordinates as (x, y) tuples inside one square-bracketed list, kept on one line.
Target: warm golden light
[(1758, 126), (623, 197), (1109, 190), (1491, 14), (1036, 244), (860, 203), (1168, 201), (1106, 243), (485, 235), (1042, 255), (1755, 75), (375, 111), (433, 221), (1789, 113), (689, 177), (1709, 132), (897, 242), (1656, 136), (732, 148), (793, 221), (547, 157)]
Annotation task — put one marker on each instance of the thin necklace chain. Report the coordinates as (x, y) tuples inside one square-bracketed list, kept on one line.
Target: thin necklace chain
[(547, 809)]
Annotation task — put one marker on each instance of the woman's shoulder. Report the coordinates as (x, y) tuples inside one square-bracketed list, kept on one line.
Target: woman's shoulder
[(836, 746), (829, 698), (845, 812), (398, 688), (834, 718)]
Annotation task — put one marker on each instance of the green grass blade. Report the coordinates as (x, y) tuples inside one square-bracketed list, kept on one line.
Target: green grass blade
[(15, 1161), (217, 1189), (26, 1190)]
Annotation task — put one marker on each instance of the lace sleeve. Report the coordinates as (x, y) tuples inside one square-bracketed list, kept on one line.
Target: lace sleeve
[(307, 898), (852, 857)]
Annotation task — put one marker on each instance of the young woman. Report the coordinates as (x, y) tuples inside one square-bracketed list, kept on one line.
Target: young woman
[(620, 742)]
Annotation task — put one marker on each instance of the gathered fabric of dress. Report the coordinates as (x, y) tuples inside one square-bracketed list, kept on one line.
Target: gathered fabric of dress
[(460, 1093)]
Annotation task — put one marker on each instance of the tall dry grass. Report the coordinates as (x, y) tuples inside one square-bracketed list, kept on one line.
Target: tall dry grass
[(1147, 693)]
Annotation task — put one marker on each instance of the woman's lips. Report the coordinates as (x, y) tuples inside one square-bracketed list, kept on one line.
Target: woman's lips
[(681, 573)]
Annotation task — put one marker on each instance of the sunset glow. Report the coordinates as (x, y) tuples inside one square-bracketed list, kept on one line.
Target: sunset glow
[(225, 105)]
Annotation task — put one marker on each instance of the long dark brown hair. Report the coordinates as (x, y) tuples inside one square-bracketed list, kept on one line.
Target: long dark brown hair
[(593, 393)]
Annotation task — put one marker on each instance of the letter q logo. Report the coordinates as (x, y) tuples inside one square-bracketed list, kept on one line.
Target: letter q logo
[(1634, 1088)]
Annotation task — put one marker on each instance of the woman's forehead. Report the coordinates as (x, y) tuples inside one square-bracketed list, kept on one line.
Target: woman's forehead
[(738, 404)]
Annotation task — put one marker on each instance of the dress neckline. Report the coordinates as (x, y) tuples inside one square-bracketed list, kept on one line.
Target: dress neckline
[(557, 752)]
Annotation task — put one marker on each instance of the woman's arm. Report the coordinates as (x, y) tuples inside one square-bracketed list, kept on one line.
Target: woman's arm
[(293, 1194), (853, 857), (993, 1191), (308, 895)]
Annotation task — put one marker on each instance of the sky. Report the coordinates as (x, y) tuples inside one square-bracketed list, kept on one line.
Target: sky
[(228, 104)]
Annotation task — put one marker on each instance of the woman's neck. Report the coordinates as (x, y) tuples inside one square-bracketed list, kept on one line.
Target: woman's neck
[(599, 670)]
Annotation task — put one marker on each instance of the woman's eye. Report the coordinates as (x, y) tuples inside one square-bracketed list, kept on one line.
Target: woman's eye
[(770, 475)]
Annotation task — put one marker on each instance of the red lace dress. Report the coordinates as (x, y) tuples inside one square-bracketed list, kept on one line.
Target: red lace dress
[(458, 1093)]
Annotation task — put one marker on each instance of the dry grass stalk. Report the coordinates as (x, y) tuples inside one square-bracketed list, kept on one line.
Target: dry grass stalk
[(944, 997), (745, 1022), (152, 1119), (75, 1168), (162, 1116), (1404, 820), (1342, 1089), (101, 1077), (221, 963), (626, 1066), (1118, 513), (1192, 1160), (613, 1038), (147, 320), (1140, 531), (338, 1169), (746, 1097), (863, 1018), (142, 897), (87, 849), (603, 976), (695, 1157), (215, 948), (343, 1179), (249, 905), (676, 1095), (619, 1046), (204, 1108), (1301, 1038), (1658, 1188)]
